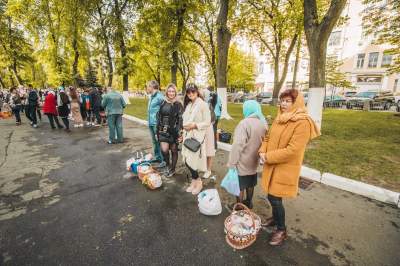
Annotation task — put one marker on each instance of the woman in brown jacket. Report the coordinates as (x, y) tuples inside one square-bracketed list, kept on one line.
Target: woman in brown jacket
[(282, 153)]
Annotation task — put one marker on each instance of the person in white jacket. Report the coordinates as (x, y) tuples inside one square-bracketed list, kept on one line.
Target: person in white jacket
[(196, 121)]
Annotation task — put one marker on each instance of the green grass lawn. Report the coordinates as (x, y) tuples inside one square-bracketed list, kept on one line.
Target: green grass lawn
[(355, 144)]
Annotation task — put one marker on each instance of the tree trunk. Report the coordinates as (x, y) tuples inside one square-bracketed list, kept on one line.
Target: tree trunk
[(3, 86), (317, 35), (15, 71), (275, 92), (11, 77), (296, 63), (107, 47), (180, 12), (223, 39), (122, 46), (75, 73), (174, 67)]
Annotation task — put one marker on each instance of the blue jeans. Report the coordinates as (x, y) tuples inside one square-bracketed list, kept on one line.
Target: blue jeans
[(156, 144), (115, 126)]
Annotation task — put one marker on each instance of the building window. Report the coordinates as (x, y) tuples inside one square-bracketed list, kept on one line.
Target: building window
[(373, 60), (334, 39), (261, 68), (360, 60), (386, 60), (396, 81), (369, 79)]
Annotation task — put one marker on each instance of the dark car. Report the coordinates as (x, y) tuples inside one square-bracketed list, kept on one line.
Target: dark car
[(349, 94), (385, 100), (334, 101), (359, 100), (264, 97)]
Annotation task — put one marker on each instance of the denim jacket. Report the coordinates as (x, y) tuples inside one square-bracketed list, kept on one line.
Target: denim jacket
[(153, 107)]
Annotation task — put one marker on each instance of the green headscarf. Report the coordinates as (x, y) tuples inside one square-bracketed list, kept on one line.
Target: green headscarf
[(252, 107)]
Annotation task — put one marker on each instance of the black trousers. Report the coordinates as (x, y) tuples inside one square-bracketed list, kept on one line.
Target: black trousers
[(96, 111), (53, 118), (215, 127), (278, 211), (66, 122), (194, 173), (39, 114), (30, 112), (16, 110)]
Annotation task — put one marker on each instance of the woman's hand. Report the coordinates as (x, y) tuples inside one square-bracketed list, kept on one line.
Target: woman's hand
[(263, 157), (190, 126)]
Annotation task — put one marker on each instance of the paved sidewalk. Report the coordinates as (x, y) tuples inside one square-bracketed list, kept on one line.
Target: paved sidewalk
[(66, 199)]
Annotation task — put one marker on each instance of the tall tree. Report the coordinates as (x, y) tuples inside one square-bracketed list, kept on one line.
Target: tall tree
[(276, 25), (223, 40), (318, 29), (180, 8), (119, 9), (15, 50), (201, 30)]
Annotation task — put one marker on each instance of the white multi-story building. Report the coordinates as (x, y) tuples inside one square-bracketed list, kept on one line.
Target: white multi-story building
[(364, 63)]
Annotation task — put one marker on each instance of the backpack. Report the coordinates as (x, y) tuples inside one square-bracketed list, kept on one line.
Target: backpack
[(64, 98), (32, 98)]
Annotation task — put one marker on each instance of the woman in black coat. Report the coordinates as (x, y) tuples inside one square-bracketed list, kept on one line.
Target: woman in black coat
[(169, 127), (63, 108)]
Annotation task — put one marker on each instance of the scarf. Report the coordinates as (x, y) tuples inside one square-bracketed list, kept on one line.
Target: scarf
[(297, 112), (253, 108)]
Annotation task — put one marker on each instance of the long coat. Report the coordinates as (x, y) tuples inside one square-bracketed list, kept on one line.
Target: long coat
[(198, 113), (284, 146)]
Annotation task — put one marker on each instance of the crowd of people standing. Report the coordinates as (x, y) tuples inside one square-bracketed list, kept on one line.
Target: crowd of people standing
[(83, 106), (192, 122)]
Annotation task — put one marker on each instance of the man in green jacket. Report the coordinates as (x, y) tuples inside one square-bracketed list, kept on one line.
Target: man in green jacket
[(114, 104)]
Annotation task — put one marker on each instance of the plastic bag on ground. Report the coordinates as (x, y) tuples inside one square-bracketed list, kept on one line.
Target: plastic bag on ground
[(231, 182), (209, 202)]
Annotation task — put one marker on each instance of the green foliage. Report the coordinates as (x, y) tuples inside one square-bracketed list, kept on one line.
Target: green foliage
[(241, 69), (334, 76), (382, 19), (352, 144)]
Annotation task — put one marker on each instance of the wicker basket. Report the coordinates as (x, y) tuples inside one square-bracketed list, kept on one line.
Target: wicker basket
[(241, 240)]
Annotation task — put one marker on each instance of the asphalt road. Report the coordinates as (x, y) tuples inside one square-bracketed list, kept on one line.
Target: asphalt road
[(66, 199)]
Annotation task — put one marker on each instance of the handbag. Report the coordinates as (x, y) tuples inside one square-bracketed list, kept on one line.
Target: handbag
[(192, 144)]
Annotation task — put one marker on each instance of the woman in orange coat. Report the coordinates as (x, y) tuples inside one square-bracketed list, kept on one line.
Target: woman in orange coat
[(282, 153)]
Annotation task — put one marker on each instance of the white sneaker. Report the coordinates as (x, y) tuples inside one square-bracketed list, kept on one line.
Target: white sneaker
[(207, 174)]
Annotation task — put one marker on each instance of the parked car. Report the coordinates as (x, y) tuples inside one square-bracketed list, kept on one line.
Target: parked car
[(360, 98), (349, 94), (384, 100), (334, 101), (238, 98), (264, 97)]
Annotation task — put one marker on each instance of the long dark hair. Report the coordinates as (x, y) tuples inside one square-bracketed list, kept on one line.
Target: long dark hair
[(191, 87), (73, 94)]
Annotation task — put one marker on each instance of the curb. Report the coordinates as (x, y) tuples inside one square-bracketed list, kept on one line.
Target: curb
[(361, 188), (343, 183)]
